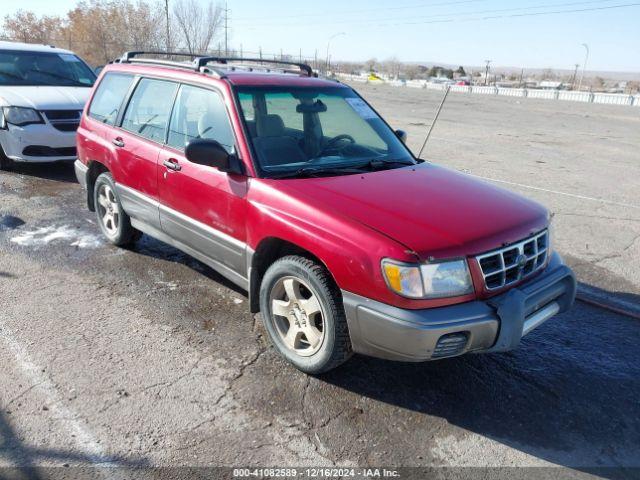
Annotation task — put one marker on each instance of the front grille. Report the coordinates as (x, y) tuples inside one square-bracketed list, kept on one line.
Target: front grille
[(44, 151), (511, 264), (64, 120), (450, 345)]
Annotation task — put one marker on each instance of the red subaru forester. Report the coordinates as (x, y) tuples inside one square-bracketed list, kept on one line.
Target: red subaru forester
[(295, 189)]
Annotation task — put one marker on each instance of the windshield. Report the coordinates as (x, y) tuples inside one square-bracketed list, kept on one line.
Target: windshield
[(20, 68), (317, 130)]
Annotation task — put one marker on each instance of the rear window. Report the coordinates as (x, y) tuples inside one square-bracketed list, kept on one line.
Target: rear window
[(108, 98), (149, 108)]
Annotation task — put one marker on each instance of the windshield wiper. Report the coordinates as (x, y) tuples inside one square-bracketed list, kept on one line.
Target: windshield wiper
[(380, 163), (319, 171), (11, 75), (61, 77)]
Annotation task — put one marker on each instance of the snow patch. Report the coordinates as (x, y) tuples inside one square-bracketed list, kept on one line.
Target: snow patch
[(46, 235)]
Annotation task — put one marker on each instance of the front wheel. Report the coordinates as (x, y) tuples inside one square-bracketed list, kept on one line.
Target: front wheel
[(5, 162), (113, 220), (303, 315)]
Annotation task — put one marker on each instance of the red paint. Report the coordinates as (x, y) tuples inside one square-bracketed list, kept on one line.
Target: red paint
[(349, 222)]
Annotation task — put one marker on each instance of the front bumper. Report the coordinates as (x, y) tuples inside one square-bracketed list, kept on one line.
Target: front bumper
[(498, 324), (38, 143)]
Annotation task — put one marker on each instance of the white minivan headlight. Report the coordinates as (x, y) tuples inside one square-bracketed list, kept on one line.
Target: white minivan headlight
[(21, 116), (430, 280)]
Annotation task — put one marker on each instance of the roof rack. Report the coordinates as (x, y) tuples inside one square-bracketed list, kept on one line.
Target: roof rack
[(202, 61), (255, 62)]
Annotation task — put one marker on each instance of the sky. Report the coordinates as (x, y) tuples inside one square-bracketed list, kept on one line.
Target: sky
[(527, 33)]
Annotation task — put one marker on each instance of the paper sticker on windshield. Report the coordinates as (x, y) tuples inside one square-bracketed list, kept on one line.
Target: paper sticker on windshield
[(361, 108), (67, 57)]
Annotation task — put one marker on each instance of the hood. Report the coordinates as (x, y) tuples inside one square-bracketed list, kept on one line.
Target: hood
[(434, 211), (45, 97)]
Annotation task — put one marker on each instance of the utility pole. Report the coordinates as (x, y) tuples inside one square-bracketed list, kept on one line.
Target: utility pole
[(573, 78), (166, 13), (260, 49), (486, 72), (584, 65), (521, 77), (226, 30)]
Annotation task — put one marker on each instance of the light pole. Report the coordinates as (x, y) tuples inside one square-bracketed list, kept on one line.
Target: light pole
[(486, 72), (329, 44), (584, 65)]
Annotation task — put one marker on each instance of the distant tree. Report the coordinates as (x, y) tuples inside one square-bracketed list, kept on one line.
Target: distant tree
[(412, 71), (460, 71), (26, 27), (598, 83), (392, 66), (633, 87), (441, 72), (198, 24), (371, 64), (548, 74)]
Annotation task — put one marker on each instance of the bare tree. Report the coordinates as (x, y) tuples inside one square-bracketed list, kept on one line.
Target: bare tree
[(198, 25), (28, 28)]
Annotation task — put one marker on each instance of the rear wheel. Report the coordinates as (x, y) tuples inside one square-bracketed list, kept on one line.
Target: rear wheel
[(113, 220), (303, 315)]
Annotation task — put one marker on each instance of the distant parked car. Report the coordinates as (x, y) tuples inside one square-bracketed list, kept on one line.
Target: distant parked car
[(43, 90)]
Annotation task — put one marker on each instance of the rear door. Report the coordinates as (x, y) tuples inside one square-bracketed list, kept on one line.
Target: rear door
[(202, 207), (138, 142)]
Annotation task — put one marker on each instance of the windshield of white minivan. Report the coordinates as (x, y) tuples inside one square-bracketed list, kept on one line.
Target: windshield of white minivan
[(24, 68), (317, 131)]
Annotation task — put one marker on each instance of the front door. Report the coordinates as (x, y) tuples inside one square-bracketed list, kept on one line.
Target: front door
[(201, 207)]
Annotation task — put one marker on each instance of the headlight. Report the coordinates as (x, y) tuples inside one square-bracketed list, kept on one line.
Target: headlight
[(430, 280), (21, 116)]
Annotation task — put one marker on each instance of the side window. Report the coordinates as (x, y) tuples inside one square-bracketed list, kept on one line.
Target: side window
[(149, 109), (108, 97), (199, 113)]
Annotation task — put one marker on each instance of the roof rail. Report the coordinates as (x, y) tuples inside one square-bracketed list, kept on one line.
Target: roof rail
[(201, 61), (131, 57)]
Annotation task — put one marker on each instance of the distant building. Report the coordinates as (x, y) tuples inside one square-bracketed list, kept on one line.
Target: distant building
[(551, 85)]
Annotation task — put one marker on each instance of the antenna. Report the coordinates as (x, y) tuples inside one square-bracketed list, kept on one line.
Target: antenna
[(435, 119)]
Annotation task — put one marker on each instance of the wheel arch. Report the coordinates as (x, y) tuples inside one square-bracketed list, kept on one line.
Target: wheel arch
[(268, 251), (95, 169)]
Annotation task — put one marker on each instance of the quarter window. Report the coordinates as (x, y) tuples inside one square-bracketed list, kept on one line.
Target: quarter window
[(108, 97), (199, 113), (148, 112)]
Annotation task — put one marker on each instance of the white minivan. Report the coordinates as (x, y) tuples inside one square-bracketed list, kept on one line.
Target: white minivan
[(43, 90)]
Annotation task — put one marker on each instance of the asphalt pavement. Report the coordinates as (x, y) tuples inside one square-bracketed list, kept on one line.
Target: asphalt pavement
[(146, 357)]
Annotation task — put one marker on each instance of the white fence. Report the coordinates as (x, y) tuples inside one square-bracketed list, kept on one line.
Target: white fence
[(566, 95)]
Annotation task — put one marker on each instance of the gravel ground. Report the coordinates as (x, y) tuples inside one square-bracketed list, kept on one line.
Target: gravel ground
[(145, 357)]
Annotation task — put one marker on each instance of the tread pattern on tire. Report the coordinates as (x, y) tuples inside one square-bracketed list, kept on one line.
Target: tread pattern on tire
[(128, 234), (342, 351)]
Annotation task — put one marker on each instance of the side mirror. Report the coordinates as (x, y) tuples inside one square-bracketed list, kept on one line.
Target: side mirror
[(402, 135), (211, 154)]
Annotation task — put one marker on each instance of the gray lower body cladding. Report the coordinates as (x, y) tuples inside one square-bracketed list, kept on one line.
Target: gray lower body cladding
[(384, 331)]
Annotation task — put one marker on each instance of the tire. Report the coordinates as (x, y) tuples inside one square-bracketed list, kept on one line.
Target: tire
[(298, 301), (113, 220), (5, 162)]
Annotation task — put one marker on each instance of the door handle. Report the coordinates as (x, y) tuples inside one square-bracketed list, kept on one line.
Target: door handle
[(118, 142), (172, 164)]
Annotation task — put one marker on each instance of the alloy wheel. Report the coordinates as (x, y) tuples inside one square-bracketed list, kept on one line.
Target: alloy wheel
[(298, 316)]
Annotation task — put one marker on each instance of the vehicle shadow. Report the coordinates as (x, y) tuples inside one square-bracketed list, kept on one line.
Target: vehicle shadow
[(154, 248), (22, 461), (58, 171), (568, 395)]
